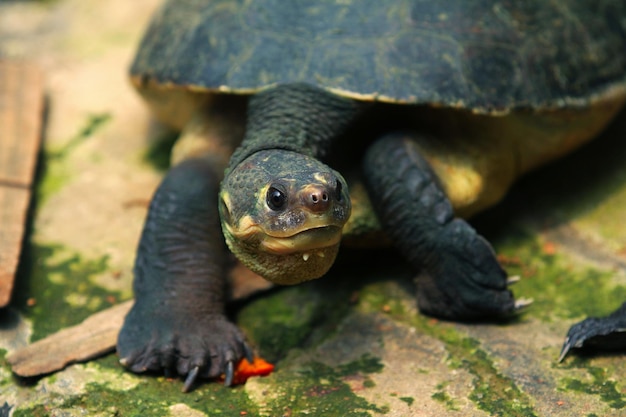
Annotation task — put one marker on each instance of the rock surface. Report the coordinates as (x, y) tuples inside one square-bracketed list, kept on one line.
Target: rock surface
[(351, 344)]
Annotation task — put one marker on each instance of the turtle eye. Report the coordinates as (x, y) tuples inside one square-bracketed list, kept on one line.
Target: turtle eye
[(276, 199)]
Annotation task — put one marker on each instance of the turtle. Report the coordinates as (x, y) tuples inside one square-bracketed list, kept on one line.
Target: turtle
[(308, 124)]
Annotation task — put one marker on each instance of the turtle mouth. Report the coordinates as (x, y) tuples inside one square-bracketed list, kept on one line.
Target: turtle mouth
[(307, 242), (314, 237)]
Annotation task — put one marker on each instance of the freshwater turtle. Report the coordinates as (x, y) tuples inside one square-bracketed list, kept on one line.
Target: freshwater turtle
[(429, 109)]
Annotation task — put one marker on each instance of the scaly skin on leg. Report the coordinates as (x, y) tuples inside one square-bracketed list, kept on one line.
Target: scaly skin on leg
[(459, 277), (177, 322)]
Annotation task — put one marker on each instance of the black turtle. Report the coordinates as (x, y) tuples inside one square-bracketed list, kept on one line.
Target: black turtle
[(429, 109)]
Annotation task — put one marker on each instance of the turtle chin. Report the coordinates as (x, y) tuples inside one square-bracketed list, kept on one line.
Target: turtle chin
[(288, 260), (293, 268)]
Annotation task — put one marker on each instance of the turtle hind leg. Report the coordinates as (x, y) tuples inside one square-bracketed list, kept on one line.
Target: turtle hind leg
[(459, 277), (605, 333)]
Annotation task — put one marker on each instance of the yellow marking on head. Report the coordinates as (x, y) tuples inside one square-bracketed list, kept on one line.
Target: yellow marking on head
[(262, 194), (226, 199), (320, 178), (246, 227)]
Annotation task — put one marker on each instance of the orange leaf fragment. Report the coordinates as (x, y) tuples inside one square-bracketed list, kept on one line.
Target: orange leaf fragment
[(549, 248), (245, 370)]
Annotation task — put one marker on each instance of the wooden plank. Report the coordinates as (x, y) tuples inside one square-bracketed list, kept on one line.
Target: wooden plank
[(97, 334), (21, 113), (13, 209)]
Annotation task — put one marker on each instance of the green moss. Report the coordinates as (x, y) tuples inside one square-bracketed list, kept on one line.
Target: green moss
[(213, 399), (320, 390), (39, 410), (158, 152), (599, 384), (492, 392), (49, 278), (55, 178), (54, 173), (152, 397), (279, 322), (442, 396), (294, 317), (408, 400), (388, 297), (5, 377), (560, 287), (110, 362), (315, 389), (365, 365), (368, 383), (380, 297), (94, 123)]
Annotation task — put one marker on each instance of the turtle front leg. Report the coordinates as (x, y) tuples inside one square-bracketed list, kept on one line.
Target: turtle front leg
[(459, 277), (177, 323), (606, 333)]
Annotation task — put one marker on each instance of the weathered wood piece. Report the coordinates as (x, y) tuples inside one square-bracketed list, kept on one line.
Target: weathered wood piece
[(97, 334), (21, 114)]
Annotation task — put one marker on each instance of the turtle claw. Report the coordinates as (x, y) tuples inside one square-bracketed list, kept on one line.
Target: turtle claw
[(522, 304), (606, 333), (191, 378), (576, 337), (567, 345), (512, 280), (229, 374)]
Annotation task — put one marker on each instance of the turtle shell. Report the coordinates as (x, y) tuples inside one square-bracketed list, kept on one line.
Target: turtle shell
[(487, 56)]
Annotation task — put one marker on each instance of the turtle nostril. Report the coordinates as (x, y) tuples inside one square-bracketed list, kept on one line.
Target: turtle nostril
[(319, 197), (316, 198)]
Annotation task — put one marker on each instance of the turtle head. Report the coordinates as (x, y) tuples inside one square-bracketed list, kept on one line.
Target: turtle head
[(282, 215)]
